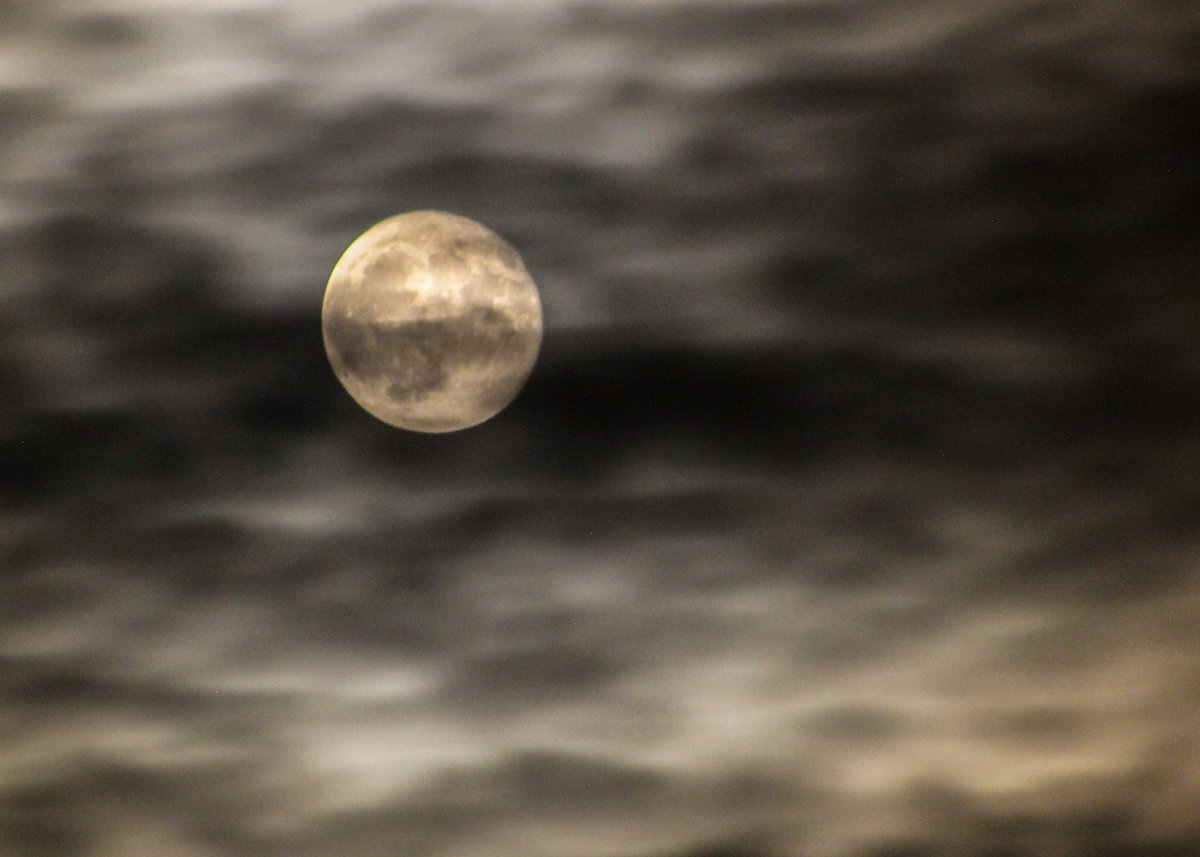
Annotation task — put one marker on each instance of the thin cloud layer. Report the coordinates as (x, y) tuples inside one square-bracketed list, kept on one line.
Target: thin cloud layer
[(848, 510)]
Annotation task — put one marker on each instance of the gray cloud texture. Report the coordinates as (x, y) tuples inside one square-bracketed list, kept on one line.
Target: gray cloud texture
[(851, 508)]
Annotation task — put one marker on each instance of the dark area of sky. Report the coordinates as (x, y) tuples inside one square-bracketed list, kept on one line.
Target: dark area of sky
[(852, 508)]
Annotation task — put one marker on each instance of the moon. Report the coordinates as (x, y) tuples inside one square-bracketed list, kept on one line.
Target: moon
[(431, 322)]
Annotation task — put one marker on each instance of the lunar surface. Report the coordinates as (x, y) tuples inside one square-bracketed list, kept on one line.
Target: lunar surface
[(431, 322)]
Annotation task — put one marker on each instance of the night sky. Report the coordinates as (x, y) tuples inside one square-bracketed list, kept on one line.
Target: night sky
[(851, 510)]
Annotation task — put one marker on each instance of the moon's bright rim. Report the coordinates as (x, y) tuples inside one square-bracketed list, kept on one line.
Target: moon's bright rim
[(431, 321)]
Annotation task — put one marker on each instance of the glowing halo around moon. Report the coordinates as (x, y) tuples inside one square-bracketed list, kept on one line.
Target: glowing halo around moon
[(431, 322)]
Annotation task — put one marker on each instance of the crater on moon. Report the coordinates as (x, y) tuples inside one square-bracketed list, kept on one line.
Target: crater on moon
[(431, 322)]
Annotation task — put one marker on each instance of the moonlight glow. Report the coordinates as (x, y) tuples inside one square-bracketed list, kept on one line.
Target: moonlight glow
[(431, 322)]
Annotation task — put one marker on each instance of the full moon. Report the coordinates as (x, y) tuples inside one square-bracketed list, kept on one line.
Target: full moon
[(431, 322)]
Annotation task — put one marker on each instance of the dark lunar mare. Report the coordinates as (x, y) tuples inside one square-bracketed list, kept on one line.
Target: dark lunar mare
[(415, 358)]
